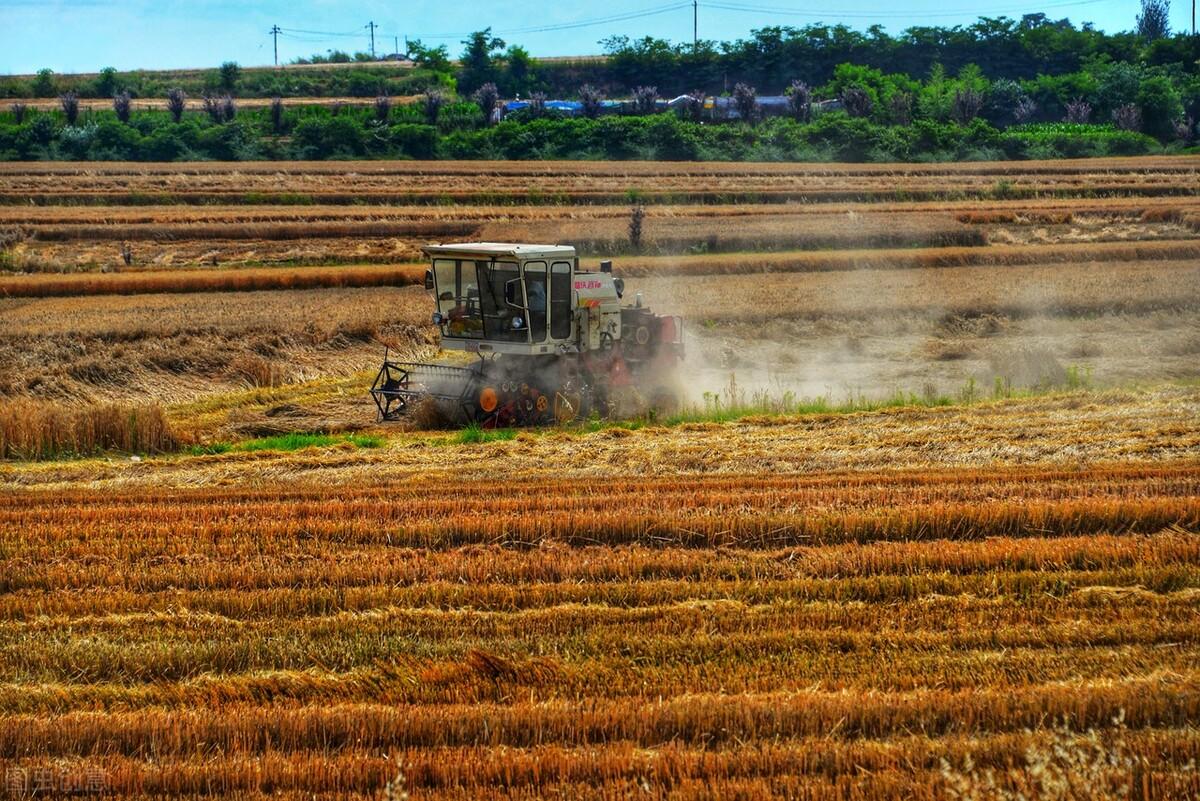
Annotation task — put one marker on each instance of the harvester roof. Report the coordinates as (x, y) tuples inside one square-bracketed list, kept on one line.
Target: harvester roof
[(493, 249)]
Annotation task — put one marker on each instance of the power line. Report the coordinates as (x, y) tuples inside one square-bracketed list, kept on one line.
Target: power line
[(354, 33), (585, 23), (823, 14)]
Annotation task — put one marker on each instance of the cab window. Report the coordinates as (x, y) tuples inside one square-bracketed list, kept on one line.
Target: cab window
[(560, 300), (535, 299)]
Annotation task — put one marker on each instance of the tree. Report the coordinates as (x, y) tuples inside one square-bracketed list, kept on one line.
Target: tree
[(519, 70), (18, 112), (43, 83), (478, 61), (431, 58), (488, 98), (1160, 105), (106, 82), (176, 103), (1155, 20), (230, 74)]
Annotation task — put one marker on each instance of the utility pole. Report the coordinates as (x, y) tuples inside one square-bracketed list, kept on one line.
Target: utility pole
[(275, 36), (372, 26), (695, 25), (396, 47)]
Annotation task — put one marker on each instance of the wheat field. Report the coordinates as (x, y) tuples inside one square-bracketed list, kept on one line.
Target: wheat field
[(928, 529)]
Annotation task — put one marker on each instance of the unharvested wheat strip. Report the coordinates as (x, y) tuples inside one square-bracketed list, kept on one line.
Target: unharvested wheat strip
[(975, 212), (1151, 261), (239, 280)]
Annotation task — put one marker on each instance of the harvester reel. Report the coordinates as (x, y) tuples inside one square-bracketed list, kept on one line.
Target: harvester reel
[(390, 391)]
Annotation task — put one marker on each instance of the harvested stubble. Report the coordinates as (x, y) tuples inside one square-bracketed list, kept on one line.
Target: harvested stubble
[(291, 631), (239, 280)]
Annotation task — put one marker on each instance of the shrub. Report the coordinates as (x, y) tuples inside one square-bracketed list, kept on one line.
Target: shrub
[(592, 100), (277, 115), (487, 97), (900, 106), (228, 108), (18, 112), (856, 101), (645, 99), (212, 106), (799, 96), (176, 103), (966, 105), (230, 73), (383, 108), (70, 106), (745, 99), (637, 216), (122, 105), (537, 105), (692, 108), (1024, 110), (1127, 117), (433, 102), (1079, 111)]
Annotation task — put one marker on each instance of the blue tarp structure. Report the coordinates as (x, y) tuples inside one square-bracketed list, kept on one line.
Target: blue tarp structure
[(722, 108), (568, 108)]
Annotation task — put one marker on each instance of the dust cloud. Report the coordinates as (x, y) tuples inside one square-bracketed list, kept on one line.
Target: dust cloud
[(870, 335)]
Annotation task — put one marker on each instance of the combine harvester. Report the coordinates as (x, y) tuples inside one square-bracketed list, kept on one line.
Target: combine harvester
[(554, 342)]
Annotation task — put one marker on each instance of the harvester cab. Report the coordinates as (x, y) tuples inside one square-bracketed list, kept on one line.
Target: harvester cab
[(553, 341)]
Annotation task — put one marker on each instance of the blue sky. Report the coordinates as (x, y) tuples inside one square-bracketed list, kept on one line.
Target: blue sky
[(84, 35)]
